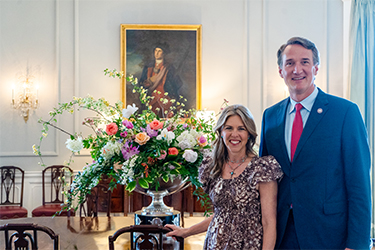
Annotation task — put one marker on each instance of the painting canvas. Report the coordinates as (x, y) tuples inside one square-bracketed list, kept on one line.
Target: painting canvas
[(164, 59)]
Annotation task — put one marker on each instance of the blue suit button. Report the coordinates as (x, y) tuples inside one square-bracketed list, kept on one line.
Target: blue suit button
[(293, 180)]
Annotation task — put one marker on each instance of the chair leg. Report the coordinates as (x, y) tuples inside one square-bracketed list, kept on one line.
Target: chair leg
[(126, 202), (183, 205), (191, 199)]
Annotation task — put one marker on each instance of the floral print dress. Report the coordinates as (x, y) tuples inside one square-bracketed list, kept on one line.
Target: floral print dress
[(237, 221)]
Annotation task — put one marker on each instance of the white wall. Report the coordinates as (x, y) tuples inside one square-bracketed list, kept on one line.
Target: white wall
[(67, 44)]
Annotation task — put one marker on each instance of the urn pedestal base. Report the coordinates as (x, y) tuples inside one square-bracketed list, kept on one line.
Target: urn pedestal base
[(161, 219)]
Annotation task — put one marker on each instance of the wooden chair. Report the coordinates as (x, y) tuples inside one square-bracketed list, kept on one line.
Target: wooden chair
[(21, 238), (117, 200), (53, 205), (10, 206), (144, 237), (100, 197)]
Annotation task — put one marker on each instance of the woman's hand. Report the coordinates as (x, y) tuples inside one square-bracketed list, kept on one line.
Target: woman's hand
[(177, 231), (193, 230)]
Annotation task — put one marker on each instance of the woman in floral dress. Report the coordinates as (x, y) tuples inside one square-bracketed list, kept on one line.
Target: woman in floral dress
[(241, 185)]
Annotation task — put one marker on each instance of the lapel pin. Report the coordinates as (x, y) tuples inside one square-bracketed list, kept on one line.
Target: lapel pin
[(320, 110)]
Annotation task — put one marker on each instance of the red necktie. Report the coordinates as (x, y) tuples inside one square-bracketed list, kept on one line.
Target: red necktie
[(296, 130)]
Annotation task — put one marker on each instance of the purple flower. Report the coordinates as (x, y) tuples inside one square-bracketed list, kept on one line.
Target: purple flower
[(185, 126), (123, 134), (128, 124), (128, 150), (151, 132)]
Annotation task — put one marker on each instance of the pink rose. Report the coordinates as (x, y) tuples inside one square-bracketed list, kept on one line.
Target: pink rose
[(155, 125), (111, 128), (163, 154), (173, 151)]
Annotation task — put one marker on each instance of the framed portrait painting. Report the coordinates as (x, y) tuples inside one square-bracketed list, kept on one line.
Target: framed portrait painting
[(164, 59)]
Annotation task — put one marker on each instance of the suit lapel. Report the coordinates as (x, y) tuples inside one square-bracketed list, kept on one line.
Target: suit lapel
[(280, 139), (318, 110)]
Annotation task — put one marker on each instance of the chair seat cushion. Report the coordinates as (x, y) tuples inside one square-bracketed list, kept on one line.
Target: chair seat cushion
[(11, 212), (50, 210)]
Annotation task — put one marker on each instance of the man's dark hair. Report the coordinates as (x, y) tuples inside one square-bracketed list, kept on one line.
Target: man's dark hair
[(162, 45), (307, 44)]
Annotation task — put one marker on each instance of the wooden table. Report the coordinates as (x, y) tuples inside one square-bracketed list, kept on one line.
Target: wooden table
[(92, 234)]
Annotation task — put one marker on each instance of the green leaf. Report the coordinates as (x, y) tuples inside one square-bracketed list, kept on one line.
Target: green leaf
[(131, 186), (165, 178), (176, 164), (143, 183), (175, 172)]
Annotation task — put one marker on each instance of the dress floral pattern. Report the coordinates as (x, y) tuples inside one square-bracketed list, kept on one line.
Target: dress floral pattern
[(237, 221)]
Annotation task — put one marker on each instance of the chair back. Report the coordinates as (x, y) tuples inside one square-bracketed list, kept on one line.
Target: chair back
[(55, 173), (100, 196), (8, 188), (22, 236), (144, 237)]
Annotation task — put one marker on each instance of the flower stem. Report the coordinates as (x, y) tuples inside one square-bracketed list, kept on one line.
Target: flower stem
[(62, 130)]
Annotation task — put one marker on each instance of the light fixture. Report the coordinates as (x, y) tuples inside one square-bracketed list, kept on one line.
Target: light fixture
[(25, 97)]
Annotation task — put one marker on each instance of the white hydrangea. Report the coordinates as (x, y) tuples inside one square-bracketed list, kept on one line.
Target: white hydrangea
[(195, 134), (186, 140), (166, 135), (110, 149), (190, 155), (75, 145)]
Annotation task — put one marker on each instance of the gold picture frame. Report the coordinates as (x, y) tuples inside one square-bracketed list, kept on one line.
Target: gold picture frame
[(181, 47)]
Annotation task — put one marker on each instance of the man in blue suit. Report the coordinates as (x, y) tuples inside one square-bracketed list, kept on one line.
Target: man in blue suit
[(324, 197)]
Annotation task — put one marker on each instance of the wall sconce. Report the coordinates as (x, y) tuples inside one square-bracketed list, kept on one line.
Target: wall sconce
[(25, 98)]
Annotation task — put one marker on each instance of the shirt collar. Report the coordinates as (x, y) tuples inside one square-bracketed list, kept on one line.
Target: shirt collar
[(307, 103), (157, 62)]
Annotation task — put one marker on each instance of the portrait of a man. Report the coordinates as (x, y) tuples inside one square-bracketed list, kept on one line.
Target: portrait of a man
[(159, 77), (165, 64)]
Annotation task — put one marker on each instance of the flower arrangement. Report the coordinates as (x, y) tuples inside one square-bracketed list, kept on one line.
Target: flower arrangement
[(133, 147)]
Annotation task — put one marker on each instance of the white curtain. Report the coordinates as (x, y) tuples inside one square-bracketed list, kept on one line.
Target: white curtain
[(362, 68)]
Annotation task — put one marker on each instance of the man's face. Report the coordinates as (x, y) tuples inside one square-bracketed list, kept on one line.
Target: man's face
[(158, 53), (298, 71)]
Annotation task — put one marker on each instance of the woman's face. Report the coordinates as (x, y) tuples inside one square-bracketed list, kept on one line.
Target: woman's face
[(235, 135)]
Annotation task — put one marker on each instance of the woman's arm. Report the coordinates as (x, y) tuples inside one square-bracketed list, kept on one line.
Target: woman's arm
[(186, 232), (268, 201)]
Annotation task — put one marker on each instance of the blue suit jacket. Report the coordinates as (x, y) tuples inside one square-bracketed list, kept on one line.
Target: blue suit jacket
[(328, 182)]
